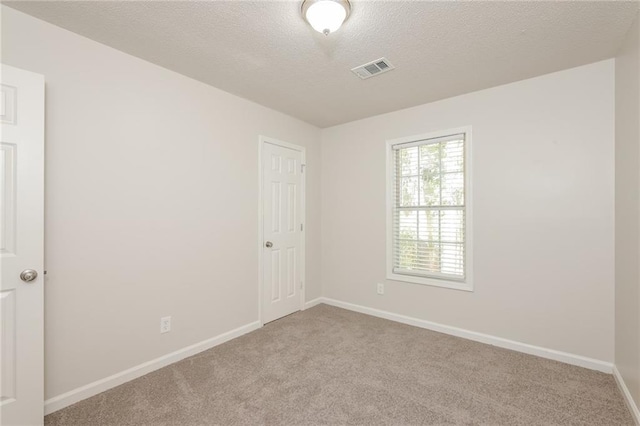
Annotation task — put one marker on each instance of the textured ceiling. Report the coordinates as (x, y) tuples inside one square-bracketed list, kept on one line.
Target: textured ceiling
[(265, 52)]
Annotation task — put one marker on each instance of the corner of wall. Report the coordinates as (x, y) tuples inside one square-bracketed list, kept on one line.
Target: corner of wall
[(627, 219)]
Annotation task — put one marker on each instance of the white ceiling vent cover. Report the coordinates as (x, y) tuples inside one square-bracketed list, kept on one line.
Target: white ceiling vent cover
[(372, 68)]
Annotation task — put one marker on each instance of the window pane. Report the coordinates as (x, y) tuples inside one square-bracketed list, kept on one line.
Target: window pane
[(407, 251), (429, 225), (408, 160), (428, 257), (430, 174), (453, 156), (453, 259), (408, 195), (408, 225), (453, 189), (452, 226)]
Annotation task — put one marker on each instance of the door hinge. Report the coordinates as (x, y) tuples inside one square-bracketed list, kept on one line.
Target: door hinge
[(302, 166), (301, 227)]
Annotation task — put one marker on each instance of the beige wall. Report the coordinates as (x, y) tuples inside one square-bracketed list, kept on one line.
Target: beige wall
[(151, 203), (543, 182), (627, 250)]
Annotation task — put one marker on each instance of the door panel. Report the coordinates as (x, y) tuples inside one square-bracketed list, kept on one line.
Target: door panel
[(21, 247), (8, 342), (7, 198), (282, 227)]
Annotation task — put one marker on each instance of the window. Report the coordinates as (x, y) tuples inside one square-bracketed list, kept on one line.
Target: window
[(429, 216)]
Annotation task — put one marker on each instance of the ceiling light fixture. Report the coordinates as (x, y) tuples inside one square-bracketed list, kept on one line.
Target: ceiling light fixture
[(325, 16)]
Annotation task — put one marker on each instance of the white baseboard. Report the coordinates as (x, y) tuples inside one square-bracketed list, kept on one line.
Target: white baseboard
[(581, 361), (61, 401), (633, 407), (314, 302)]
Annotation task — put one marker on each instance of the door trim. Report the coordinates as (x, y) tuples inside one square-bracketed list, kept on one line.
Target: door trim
[(262, 140)]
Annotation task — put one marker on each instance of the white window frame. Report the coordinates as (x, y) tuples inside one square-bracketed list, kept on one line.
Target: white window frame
[(467, 283)]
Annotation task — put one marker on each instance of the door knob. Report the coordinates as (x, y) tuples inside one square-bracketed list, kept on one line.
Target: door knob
[(268, 244), (28, 275)]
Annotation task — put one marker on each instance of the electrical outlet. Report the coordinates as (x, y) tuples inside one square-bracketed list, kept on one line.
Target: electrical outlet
[(165, 325), (380, 288)]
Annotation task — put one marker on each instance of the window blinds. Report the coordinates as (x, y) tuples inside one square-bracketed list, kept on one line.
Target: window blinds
[(429, 208)]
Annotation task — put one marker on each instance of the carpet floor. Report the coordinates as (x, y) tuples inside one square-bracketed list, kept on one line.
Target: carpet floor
[(331, 366)]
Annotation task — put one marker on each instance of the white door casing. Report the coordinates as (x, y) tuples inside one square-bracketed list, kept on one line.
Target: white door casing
[(21, 247), (282, 221)]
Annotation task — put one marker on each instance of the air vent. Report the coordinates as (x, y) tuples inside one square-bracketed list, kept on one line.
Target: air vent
[(373, 68)]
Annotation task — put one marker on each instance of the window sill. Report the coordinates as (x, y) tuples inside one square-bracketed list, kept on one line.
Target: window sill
[(433, 282)]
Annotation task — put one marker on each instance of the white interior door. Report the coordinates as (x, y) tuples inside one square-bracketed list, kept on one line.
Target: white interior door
[(282, 271), (21, 247)]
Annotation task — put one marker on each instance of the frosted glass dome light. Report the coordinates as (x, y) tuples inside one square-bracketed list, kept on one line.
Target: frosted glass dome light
[(325, 16)]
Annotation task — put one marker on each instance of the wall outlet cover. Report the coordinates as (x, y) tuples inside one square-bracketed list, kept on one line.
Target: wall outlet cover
[(165, 324)]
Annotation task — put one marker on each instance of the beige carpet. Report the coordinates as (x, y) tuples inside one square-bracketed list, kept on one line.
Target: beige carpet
[(331, 366)]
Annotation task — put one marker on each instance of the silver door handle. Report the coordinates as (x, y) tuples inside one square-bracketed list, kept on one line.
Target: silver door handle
[(268, 244), (28, 275)]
